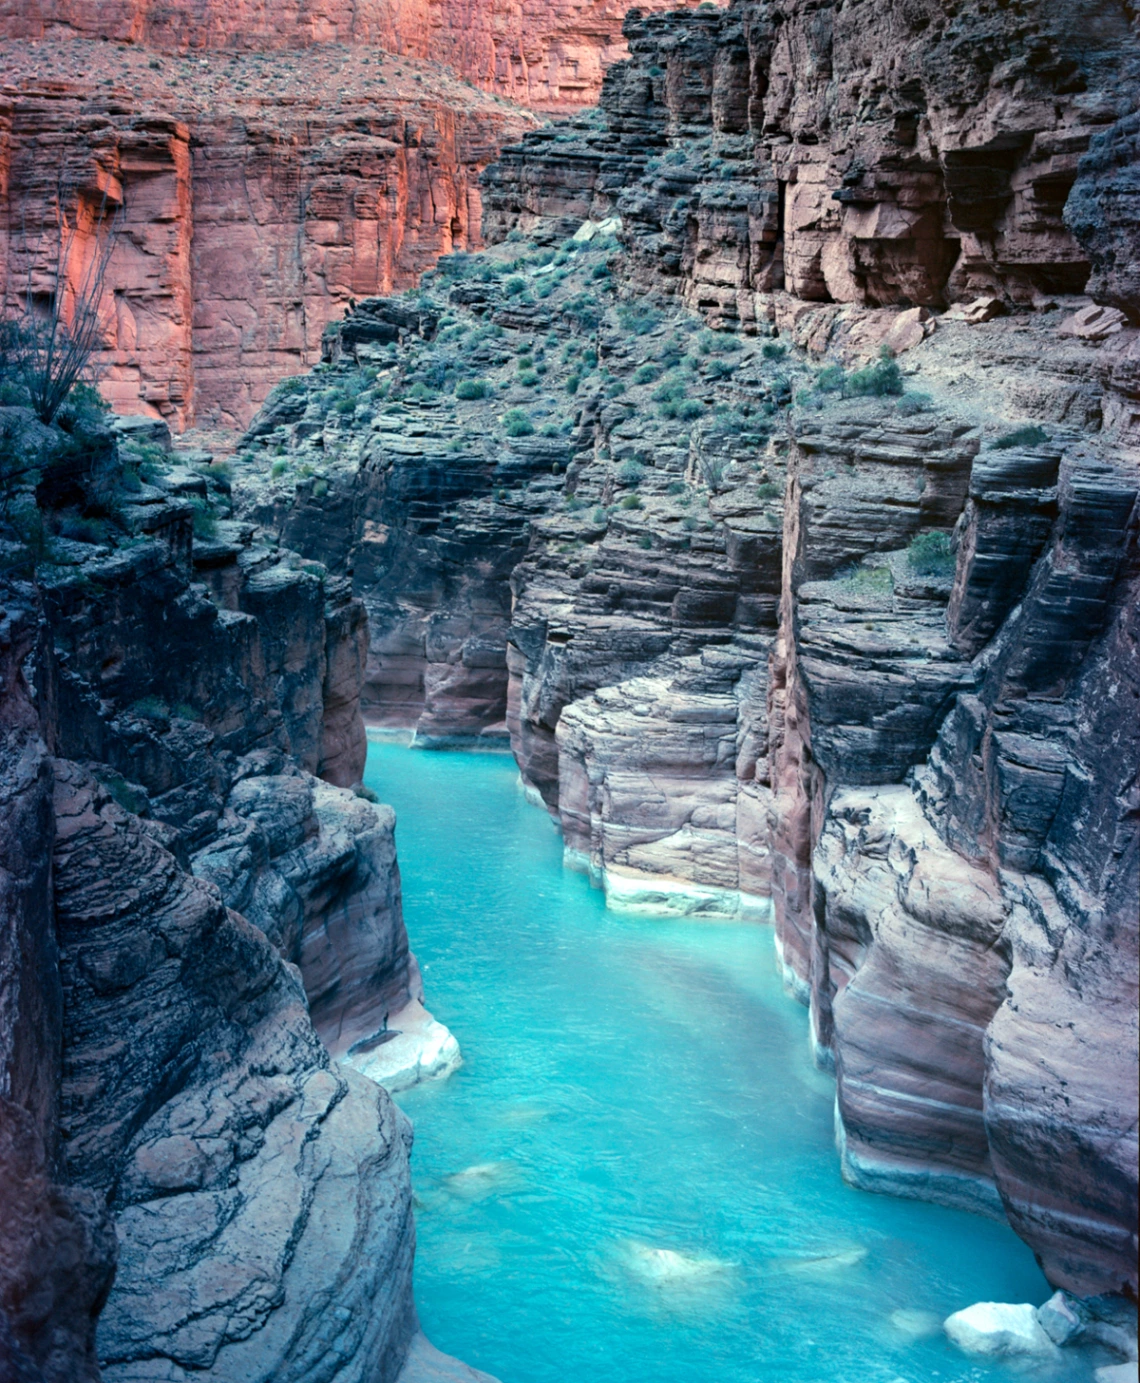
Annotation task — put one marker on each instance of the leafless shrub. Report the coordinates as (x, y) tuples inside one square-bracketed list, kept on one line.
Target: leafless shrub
[(48, 344)]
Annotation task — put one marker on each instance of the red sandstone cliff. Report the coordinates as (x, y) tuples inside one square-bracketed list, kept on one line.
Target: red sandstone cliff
[(544, 55), (254, 196)]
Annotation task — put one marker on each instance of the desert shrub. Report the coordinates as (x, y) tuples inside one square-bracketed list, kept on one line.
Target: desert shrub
[(645, 541), (614, 388), (599, 515), (514, 285), (528, 378), (572, 383), (631, 502), (688, 409), (646, 374), (910, 404), (278, 469), (631, 473), (471, 389), (639, 318), (931, 554), (773, 350), (205, 521), (151, 708), (675, 487), (830, 380), (1029, 436), (878, 379), (769, 490), (717, 343), (517, 423)]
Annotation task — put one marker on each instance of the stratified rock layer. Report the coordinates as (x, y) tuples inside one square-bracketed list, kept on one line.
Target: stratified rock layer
[(783, 170), (540, 55), (189, 910), (247, 201), (799, 627)]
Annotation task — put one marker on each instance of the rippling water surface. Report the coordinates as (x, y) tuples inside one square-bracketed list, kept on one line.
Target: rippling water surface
[(632, 1178)]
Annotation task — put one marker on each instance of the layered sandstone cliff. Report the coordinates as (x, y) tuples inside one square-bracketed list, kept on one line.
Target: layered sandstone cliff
[(245, 199), (551, 55), (191, 1184), (802, 629)]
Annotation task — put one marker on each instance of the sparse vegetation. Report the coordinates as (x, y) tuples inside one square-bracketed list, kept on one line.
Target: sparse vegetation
[(879, 379), (931, 554), (472, 389), (640, 318), (517, 423), (1032, 435)]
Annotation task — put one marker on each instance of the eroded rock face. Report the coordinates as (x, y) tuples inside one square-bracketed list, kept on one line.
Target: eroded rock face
[(550, 55), (797, 626), (192, 1185), (744, 155), (249, 200), (57, 1244), (219, 1124)]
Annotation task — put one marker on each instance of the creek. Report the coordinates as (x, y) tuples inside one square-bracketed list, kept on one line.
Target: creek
[(633, 1176)]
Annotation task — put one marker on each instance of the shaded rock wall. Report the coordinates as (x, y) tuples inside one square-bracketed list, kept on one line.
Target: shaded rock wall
[(57, 1245), (165, 1081)]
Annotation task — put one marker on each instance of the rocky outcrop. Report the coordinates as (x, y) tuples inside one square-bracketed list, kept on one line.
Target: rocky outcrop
[(745, 154), (247, 200), (219, 1124), (57, 1246), (190, 916)]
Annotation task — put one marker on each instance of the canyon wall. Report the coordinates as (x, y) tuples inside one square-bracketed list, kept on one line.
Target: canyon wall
[(242, 206), (194, 898), (826, 614), (551, 55), (258, 167)]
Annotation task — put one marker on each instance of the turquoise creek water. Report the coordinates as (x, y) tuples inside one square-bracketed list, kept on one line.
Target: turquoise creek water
[(633, 1177)]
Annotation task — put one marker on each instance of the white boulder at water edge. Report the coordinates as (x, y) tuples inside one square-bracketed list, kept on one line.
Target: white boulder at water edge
[(998, 1328)]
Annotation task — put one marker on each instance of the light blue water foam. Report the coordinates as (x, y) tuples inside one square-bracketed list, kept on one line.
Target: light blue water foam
[(633, 1177)]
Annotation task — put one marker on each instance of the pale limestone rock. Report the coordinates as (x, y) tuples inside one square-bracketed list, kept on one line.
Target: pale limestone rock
[(414, 1048), (998, 1328)]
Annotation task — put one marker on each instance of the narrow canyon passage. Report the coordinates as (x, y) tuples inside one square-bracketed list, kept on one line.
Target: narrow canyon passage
[(633, 1179)]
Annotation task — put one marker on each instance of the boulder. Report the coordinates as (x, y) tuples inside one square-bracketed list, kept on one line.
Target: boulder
[(1060, 1318), (1094, 323), (998, 1328)]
